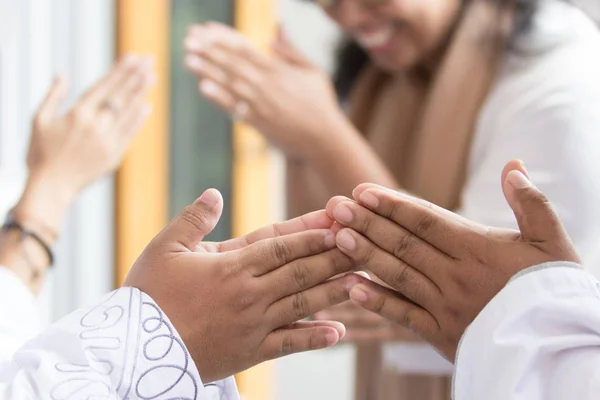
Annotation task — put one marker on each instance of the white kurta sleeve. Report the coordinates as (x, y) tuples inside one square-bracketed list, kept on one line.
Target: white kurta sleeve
[(538, 339), (123, 348), (19, 316)]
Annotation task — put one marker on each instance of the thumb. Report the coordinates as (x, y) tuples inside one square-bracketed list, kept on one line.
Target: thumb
[(54, 99), (284, 48), (538, 222), (195, 221)]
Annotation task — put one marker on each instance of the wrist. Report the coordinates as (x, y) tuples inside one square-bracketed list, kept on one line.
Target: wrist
[(43, 206)]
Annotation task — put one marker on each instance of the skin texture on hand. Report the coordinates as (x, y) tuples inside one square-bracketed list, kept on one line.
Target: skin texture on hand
[(284, 96), (442, 269), (241, 302)]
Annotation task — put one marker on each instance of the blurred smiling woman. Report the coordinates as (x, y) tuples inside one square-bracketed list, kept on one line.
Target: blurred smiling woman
[(439, 94)]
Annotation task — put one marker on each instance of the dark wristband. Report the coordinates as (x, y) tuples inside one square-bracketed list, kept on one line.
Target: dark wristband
[(11, 224)]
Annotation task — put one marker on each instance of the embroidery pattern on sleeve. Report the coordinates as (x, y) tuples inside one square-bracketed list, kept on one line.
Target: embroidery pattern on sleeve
[(128, 350)]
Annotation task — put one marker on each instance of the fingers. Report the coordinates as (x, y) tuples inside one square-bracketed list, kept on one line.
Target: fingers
[(352, 316), (301, 305), (305, 273), (131, 121), (287, 51), (195, 221), (135, 86), (217, 94), (283, 342), (389, 305), (538, 222), (390, 236), (440, 228), (118, 83), (267, 255), (314, 220), (338, 326), (202, 39), (54, 99), (395, 272)]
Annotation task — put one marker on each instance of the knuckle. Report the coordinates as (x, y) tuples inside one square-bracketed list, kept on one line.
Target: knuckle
[(287, 345), (198, 220), (302, 274), (300, 306), (398, 279), (378, 304), (407, 320), (282, 251), (403, 246), (365, 224), (424, 225)]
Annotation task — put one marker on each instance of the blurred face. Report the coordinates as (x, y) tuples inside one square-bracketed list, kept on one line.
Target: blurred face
[(397, 34)]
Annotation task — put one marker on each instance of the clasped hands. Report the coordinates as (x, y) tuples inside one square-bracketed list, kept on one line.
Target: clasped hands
[(241, 302)]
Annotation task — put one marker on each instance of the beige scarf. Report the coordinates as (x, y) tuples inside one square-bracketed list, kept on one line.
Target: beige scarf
[(423, 133)]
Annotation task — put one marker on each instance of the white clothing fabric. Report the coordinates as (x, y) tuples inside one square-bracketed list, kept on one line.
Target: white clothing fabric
[(123, 348), (545, 110), (19, 317), (538, 339)]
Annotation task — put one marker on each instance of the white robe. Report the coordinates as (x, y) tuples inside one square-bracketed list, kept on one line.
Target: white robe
[(123, 348)]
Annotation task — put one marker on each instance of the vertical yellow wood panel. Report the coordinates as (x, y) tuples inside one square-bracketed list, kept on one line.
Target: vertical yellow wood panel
[(251, 202), (142, 182)]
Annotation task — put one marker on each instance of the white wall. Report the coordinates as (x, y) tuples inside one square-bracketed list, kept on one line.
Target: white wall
[(39, 38), (328, 374)]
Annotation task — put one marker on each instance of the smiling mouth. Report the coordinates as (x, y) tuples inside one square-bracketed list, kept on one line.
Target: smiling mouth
[(376, 40)]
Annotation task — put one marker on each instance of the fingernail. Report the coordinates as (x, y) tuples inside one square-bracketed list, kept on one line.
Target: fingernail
[(346, 241), (210, 197), (358, 295), (518, 180), (369, 200), (330, 240), (343, 214), (524, 167), (194, 62), (208, 87), (192, 43), (332, 338)]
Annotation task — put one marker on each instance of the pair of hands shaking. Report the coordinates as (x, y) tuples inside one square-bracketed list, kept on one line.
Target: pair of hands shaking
[(241, 302)]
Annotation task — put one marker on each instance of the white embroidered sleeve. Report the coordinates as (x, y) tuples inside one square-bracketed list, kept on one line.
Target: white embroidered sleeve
[(123, 348)]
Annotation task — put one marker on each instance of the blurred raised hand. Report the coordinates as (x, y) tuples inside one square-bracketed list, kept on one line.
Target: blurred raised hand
[(284, 96), (70, 150)]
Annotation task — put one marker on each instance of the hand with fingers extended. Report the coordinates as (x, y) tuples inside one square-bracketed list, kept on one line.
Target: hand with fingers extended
[(442, 269), (239, 303), (68, 151), (285, 97)]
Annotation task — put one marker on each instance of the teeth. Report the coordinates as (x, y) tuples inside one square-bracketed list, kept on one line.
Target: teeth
[(375, 39)]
